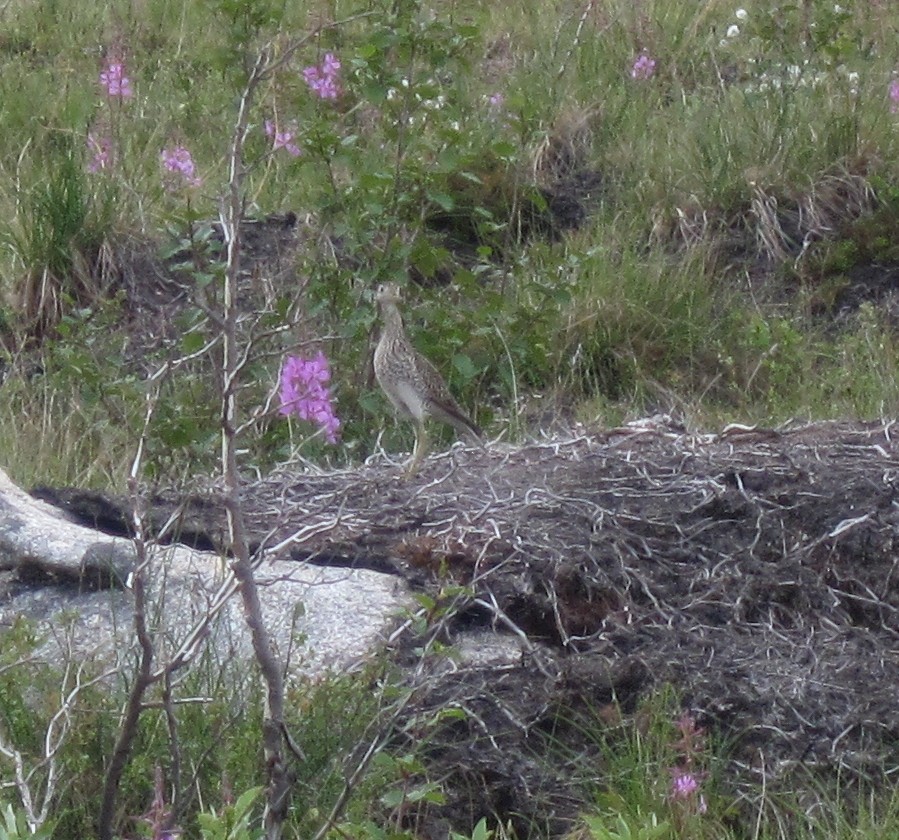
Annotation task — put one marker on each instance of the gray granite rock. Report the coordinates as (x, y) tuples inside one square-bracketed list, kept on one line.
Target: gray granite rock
[(74, 584)]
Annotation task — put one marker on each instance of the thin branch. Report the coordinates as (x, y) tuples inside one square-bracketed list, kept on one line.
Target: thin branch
[(279, 781)]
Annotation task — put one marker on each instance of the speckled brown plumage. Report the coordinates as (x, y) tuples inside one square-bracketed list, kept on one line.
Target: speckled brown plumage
[(410, 381)]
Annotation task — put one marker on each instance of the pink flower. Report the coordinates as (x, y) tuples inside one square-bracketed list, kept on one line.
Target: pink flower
[(685, 781), (178, 160), (330, 65), (683, 785), (283, 139), (496, 101), (324, 86), (643, 67), (685, 788), (323, 79), (102, 149), (113, 78), (894, 96), (304, 391)]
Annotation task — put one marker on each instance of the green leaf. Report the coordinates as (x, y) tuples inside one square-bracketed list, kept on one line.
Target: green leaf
[(464, 365), (481, 832), (393, 798), (384, 761), (246, 801), (454, 713), (204, 278), (191, 343), (429, 792), (443, 200), (425, 600), (505, 150)]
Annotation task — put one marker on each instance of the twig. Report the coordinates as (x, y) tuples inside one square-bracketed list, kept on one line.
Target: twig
[(278, 791), (144, 677)]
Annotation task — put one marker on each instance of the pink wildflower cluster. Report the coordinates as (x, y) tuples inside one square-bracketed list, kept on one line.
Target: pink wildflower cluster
[(685, 779), (114, 80), (283, 138), (894, 96), (178, 161), (643, 67), (101, 146), (304, 391), (102, 150), (323, 78)]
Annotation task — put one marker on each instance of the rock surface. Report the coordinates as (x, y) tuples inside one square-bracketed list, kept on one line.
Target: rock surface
[(73, 581)]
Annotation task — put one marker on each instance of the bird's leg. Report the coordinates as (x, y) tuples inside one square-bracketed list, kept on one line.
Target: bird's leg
[(421, 448)]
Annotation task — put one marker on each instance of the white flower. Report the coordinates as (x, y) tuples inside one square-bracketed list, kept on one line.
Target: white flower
[(838, 9), (853, 78), (733, 30), (741, 14)]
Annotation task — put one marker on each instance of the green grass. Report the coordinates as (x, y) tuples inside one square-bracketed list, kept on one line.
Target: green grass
[(217, 740), (634, 795), (687, 287)]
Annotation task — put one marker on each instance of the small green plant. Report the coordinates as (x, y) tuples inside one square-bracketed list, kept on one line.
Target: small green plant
[(59, 239), (628, 827), (656, 782), (411, 792), (479, 832), (14, 826), (232, 822)]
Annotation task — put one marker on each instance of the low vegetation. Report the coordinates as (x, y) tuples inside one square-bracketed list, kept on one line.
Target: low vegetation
[(600, 211)]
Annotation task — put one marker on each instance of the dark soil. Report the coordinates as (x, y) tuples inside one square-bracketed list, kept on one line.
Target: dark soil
[(752, 571), (870, 283)]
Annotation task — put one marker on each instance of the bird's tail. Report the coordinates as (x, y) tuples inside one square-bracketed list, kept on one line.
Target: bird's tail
[(457, 418)]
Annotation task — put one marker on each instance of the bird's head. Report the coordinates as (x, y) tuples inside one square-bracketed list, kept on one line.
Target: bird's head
[(388, 293)]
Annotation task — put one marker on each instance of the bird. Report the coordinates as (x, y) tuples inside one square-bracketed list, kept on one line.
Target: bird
[(411, 382)]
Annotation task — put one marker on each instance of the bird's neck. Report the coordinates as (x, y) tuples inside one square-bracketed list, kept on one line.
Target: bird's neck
[(393, 321)]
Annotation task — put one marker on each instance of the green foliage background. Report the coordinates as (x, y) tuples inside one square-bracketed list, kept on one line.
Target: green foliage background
[(745, 189)]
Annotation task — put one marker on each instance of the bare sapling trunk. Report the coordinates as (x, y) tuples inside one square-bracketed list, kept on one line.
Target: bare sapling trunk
[(144, 677), (273, 745)]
